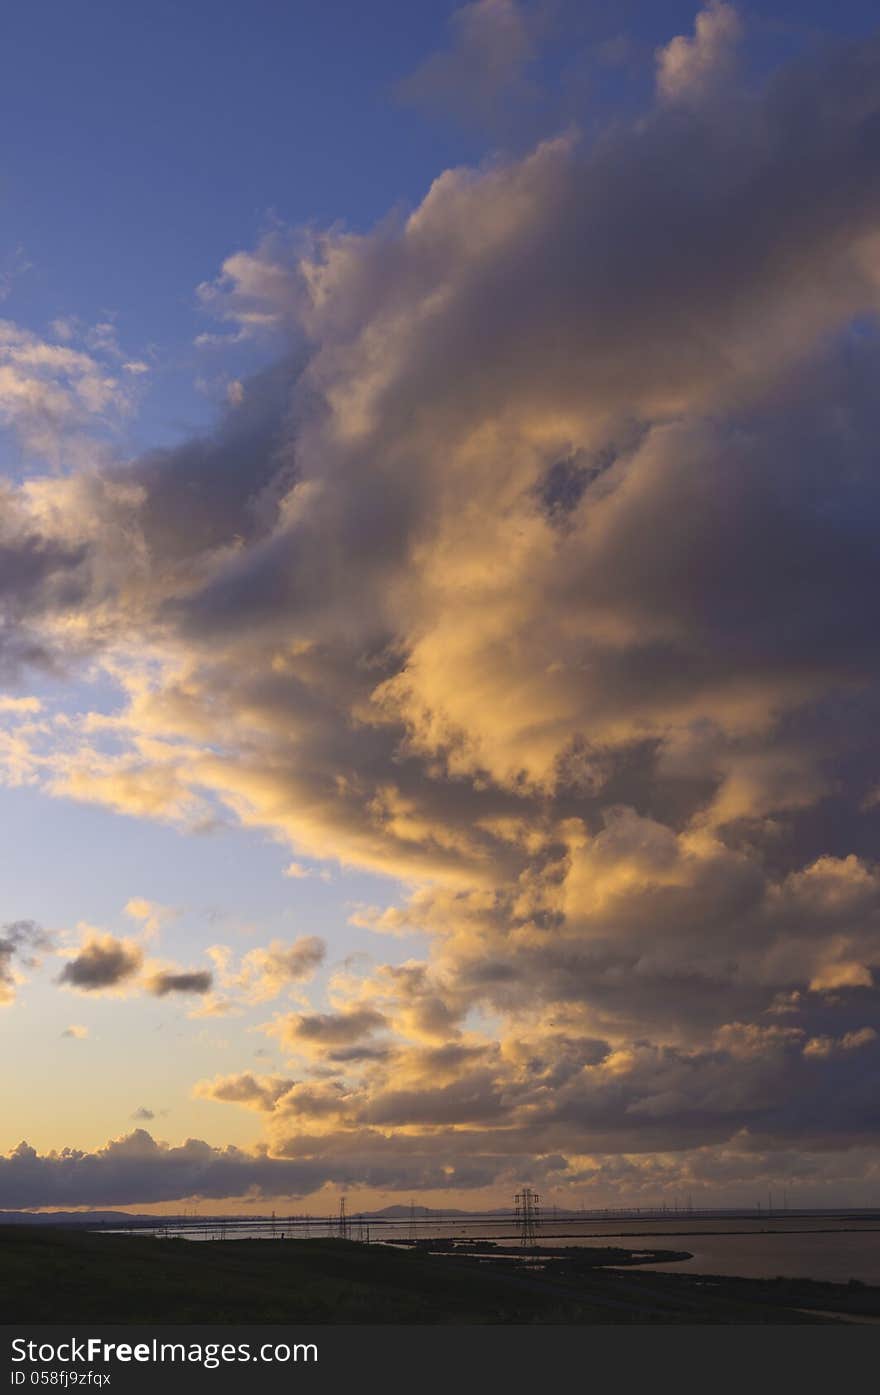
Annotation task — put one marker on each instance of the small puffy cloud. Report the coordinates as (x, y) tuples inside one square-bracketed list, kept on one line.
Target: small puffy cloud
[(260, 1092), (76, 1032), (214, 1005), (841, 974), (52, 395), (323, 1033), (688, 69), (298, 872), (142, 1114), (106, 963), (749, 1039), (483, 73), (151, 914), (13, 265), (102, 964), (851, 1041), (264, 973), (141, 790), (165, 981), (823, 1047), (255, 293), (20, 705)]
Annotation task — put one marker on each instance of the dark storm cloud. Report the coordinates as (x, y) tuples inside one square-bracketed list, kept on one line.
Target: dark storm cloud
[(26, 567), (327, 1030), (136, 1170), (186, 981), (209, 491), (38, 575), (473, 1099), (103, 963)]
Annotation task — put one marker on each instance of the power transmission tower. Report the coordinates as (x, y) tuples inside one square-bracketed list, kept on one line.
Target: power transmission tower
[(343, 1220), (527, 1216), (412, 1223)]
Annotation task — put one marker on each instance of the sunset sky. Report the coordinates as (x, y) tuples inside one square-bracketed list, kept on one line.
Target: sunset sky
[(439, 591)]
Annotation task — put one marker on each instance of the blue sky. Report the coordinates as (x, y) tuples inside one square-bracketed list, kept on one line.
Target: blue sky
[(145, 146), (150, 145)]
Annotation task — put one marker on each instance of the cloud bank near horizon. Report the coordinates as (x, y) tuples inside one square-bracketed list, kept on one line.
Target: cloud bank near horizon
[(539, 573), (139, 1170)]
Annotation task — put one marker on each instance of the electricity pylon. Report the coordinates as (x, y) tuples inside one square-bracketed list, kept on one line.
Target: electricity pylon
[(527, 1216)]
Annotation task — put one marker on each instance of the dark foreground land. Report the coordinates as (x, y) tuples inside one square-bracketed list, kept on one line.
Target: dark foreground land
[(57, 1275)]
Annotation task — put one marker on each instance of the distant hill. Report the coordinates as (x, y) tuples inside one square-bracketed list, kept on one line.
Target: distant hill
[(73, 1218), (403, 1212), (123, 1218)]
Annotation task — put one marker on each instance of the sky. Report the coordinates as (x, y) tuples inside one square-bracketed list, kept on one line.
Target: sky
[(438, 576)]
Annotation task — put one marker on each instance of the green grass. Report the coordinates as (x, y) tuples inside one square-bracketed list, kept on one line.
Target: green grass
[(60, 1275), (57, 1275)]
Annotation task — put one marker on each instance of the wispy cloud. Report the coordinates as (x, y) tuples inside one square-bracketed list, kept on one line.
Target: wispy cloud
[(22, 945)]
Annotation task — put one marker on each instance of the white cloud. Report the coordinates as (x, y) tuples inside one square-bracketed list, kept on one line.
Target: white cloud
[(689, 69)]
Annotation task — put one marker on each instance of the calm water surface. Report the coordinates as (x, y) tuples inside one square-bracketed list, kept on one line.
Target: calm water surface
[(835, 1248)]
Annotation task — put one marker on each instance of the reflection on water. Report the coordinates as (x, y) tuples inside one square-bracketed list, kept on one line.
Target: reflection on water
[(813, 1245), (836, 1257)]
